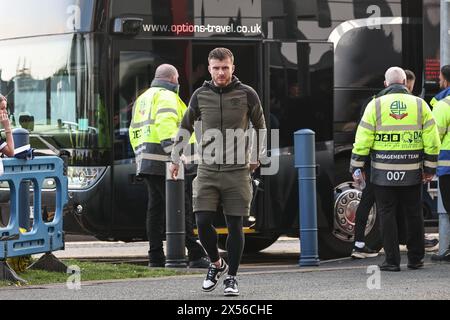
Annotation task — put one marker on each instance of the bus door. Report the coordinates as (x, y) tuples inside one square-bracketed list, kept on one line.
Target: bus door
[(298, 94)]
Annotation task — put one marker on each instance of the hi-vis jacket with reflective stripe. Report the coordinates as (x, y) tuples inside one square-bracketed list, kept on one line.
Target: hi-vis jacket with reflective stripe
[(441, 95), (157, 113), (441, 112), (400, 134)]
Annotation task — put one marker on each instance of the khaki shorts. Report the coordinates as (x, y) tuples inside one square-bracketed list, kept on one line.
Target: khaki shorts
[(231, 188)]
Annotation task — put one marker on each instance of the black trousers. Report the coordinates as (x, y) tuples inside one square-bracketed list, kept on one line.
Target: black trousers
[(362, 215), (444, 186), (409, 200), (156, 214)]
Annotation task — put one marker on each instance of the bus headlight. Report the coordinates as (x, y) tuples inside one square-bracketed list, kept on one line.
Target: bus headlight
[(84, 177)]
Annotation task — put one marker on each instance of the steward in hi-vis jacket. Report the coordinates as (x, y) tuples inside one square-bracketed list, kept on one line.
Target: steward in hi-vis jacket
[(400, 135), (441, 112), (157, 114), (444, 84)]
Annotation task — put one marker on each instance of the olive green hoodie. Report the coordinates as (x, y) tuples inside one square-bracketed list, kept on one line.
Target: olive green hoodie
[(220, 109)]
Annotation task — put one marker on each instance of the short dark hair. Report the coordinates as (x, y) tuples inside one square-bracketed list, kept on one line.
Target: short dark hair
[(221, 54), (445, 70), (410, 75)]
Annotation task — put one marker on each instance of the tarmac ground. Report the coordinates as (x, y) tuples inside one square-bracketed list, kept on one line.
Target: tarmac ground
[(273, 274)]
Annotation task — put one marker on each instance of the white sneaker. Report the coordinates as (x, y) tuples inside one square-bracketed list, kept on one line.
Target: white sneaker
[(231, 286), (212, 277)]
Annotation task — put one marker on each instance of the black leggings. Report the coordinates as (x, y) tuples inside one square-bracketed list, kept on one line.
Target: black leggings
[(208, 237)]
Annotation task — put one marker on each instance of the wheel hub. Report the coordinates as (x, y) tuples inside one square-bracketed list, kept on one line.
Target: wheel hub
[(346, 200)]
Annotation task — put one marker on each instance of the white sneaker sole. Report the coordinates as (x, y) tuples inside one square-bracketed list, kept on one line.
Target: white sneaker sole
[(231, 294), (217, 283), (431, 249), (362, 255)]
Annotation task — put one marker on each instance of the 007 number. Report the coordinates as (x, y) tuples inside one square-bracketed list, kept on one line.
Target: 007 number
[(395, 175)]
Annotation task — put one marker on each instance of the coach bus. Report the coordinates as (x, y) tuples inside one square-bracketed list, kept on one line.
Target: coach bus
[(71, 70)]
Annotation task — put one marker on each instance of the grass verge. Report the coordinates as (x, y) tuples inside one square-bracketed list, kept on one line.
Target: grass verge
[(91, 271)]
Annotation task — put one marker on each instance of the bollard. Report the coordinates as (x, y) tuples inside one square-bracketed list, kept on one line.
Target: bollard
[(21, 139), (175, 220), (305, 162)]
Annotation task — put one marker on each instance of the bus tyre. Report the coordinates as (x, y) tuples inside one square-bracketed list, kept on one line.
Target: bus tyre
[(254, 242), (337, 240), (331, 247)]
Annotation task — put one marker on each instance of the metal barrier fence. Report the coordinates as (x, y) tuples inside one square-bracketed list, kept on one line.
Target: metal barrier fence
[(44, 237)]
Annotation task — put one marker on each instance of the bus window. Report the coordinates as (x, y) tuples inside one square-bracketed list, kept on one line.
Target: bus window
[(35, 18), (136, 70), (371, 69), (301, 89), (51, 89), (135, 74)]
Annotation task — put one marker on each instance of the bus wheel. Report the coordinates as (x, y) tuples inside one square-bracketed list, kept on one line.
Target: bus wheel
[(254, 242), (338, 242)]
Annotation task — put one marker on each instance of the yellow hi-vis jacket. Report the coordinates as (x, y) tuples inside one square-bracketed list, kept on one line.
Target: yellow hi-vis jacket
[(157, 114), (400, 134), (441, 112)]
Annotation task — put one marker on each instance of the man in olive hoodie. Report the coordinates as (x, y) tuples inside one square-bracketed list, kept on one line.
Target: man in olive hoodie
[(226, 107)]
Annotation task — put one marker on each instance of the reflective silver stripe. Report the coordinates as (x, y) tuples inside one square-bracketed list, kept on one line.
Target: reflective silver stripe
[(152, 156), (430, 164), (367, 126), (397, 167), (419, 113), (400, 128), (380, 127), (378, 112), (356, 164), (443, 130), (429, 123), (164, 110), (137, 125), (446, 100), (444, 163)]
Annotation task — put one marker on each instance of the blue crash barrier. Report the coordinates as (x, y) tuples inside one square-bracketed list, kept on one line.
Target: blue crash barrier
[(44, 237)]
